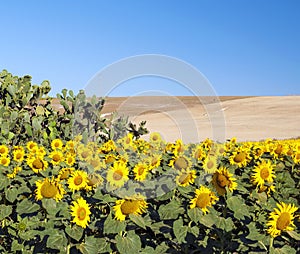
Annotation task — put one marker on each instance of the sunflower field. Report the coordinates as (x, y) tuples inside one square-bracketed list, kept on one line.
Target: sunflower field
[(72, 181)]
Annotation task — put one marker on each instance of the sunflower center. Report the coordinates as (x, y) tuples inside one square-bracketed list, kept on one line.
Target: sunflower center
[(18, 156), (84, 154), (4, 161), (203, 200), (278, 149), (155, 137), (56, 157), (2, 150), (48, 190), (130, 206), (37, 164), (283, 221), (181, 163), (264, 173), (141, 170), (94, 163), (222, 180), (184, 178), (118, 174), (109, 159), (81, 213), (210, 164), (240, 157), (78, 180)]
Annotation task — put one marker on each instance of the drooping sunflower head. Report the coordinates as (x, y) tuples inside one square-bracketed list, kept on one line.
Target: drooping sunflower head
[(180, 162), (117, 174), (94, 180), (203, 199), (64, 173), (130, 205), (221, 179), (281, 219), (186, 177), (78, 180), (49, 189), (80, 210), (263, 173), (140, 171)]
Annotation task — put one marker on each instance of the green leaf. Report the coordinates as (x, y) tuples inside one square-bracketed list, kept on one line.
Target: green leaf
[(36, 124), (26, 206), (75, 232), (112, 226), (138, 220), (171, 210), (94, 245), (225, 224), (50, 205), (208, 220), (4, 181), (5, 211), (294, 235), (129, 244), (254, 235), (40, 110), (237, 205), (15, 246), (57, 241), (284, 250), (180, 231), (11, 194), (163, 248), (194, 230), (195, 214)]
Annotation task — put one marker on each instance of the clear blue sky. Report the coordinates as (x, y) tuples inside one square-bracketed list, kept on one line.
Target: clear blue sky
[(243, 47)]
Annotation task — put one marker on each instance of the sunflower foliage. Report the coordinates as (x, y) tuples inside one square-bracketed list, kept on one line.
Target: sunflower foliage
[(93, 186)]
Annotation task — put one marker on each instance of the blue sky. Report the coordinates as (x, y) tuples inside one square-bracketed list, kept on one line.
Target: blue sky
[(243, 47)]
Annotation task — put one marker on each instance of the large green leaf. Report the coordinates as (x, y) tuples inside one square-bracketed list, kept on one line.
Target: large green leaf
[(57, 241), (75, 232), (171, 210), (129, 244), (5, 211), (238, 206), (11, 194), (179, 230), (138, 220), (26, 206), (112, 226)]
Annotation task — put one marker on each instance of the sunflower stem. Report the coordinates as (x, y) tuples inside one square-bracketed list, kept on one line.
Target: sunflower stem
[(271, 243)]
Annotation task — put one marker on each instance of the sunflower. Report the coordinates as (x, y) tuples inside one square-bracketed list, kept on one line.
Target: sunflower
[(57, 157), (154, 160), (14, 173), (110, 158), (179, 147), (186, 177), (263, 173), (78, 180), (70, 159), (117, 174), (127, 141), (80, 210), (4, 160), (210, 164), (107, 147), (94, 180), (96, 163), (198, 153), (4, 150), (203, 199), (84, 153), (296, 157), (221, 179), (64, 173), (140, 171), (278, 149), (155, 138), (31, 146), (281, 219), (240, 157), (142, 146), (37, 163), (57, 144), (18, 153), (49, 189), (130, 205), (180, 162)]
